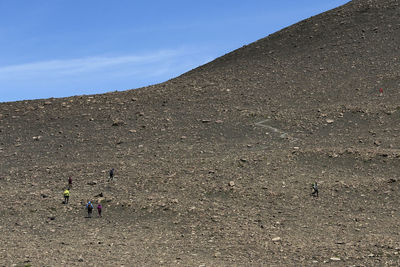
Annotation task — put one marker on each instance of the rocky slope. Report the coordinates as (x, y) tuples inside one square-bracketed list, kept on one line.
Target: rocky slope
[(214, 168)]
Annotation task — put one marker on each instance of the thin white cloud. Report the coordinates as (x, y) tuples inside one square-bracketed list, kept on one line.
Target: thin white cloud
[(97, 74), (88, 64)]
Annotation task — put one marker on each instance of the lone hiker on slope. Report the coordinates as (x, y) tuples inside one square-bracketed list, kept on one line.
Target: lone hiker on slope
[(66, 196), (315, 189), (99, 207), (89, 207), (69, 182), (111, 174)]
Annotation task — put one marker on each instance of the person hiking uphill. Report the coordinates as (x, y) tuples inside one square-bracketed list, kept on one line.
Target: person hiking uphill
[(315, 189), (89, 207), (99, 207), (66, 196), (111, 174), (69, 182)]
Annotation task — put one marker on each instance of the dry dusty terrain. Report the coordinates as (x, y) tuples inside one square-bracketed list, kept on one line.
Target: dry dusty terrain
[(214, 168)]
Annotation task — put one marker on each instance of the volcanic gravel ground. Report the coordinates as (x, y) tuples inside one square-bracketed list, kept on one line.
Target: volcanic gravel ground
[(215, 167)]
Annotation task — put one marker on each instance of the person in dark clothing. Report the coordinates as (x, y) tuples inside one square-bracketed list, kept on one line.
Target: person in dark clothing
[(315, 189), (112, 174), (70, 182), (89, 207)]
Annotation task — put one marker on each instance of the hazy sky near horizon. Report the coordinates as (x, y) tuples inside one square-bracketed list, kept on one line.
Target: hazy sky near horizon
[(59, 48)]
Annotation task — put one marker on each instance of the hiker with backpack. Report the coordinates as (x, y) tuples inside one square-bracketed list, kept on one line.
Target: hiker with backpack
[(89, 207), (315, 189), (66, 196)]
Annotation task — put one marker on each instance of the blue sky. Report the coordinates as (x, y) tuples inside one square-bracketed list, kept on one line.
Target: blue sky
[(57, 48)]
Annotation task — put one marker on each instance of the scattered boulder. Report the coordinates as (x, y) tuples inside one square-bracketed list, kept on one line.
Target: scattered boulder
[(118, 122), (217, 254)]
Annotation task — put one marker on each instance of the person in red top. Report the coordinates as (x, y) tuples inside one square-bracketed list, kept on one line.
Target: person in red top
[(69, 182), (99, 207)]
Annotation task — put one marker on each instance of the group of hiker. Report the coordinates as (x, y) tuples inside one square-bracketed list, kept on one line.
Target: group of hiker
[(89, 205)]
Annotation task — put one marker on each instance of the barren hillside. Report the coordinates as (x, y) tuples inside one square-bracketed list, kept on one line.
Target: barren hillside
[(214, 168)]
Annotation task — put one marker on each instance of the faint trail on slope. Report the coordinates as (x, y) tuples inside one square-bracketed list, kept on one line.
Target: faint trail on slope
[(283, 135)]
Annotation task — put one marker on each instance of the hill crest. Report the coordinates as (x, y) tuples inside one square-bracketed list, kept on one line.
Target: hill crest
[(215, 167)]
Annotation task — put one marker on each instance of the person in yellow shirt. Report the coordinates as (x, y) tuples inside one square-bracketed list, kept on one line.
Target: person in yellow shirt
[(66, 196)]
